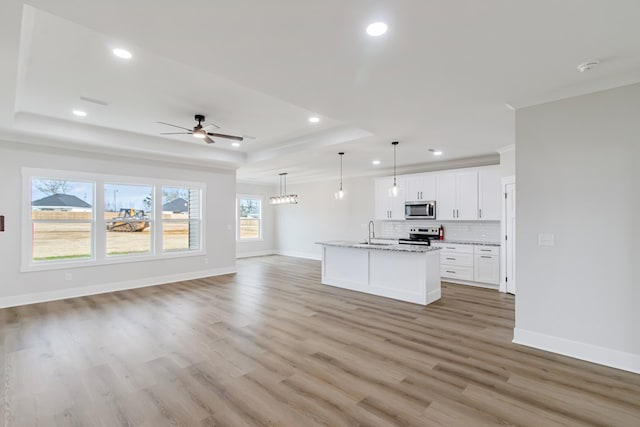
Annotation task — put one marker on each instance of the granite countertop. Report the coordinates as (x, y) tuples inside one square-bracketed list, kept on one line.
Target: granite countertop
[(381, 247), (467, 242)]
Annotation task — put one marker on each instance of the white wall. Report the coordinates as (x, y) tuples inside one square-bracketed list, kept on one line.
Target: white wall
[(266, 245), (319, 217), (578, 173), (20, 288), (508, 160)]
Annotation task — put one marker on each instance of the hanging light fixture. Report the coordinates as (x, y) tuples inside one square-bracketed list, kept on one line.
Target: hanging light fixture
[(394, 190), (283, 198), (340, 192)]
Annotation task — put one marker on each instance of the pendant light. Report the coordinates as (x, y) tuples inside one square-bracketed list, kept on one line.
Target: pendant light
[(340, 192), (394, 190), (283, 198)]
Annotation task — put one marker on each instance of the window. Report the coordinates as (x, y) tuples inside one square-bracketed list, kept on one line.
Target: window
[(62, 220), (181, 219), (249, 218), (128, 213), (83, 219)]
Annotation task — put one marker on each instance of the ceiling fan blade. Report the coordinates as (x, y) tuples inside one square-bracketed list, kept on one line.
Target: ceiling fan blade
[(176, 133), (222, 135), (179, 127), (208, 140)]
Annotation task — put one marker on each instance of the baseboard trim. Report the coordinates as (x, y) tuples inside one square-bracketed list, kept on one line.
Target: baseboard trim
[(34, 298), (256, 253), (578, 350), (306, 255), (470, 283)]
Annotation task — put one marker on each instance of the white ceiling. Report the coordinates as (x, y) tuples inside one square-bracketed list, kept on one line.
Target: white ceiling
[(440, 78)]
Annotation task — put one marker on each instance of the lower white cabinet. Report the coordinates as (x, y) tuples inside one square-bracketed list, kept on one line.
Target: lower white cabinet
[(471, 263)]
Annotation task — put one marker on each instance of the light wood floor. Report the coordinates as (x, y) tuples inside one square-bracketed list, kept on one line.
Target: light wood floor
[(272, 346)]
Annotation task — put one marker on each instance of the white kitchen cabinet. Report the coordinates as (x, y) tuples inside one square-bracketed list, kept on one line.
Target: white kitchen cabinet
[(477, 265), (457, 196), (489, 194), (486, 269), (387, 206), (420, 187)]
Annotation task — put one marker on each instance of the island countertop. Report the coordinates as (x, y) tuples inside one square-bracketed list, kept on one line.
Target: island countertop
[(379, 246)]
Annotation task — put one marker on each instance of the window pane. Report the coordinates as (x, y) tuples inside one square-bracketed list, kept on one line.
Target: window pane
[(180, 219), (53, 199), (61, 240), (127, 216), (249, 218)]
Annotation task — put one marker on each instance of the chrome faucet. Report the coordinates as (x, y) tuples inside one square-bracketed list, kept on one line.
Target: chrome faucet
[(372, 231)]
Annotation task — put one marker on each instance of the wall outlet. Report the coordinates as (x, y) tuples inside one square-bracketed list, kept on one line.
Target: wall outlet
[(546, 239), (68, 276)]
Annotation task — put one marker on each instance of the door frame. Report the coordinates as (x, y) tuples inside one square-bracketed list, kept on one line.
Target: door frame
[(503, 230)]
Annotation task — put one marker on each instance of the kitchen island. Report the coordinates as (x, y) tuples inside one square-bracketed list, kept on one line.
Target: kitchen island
[(404, 272)]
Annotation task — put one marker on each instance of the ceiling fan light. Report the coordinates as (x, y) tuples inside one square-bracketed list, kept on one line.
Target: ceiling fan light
[(199, 133)]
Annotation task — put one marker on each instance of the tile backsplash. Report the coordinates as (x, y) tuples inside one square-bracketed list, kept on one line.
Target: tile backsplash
[(481, 231)]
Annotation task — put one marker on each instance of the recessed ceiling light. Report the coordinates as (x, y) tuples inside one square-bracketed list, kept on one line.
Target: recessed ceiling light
[(377, 29), (122, 53), (235, 144), (79, 113), (375, 162), (314, 119)]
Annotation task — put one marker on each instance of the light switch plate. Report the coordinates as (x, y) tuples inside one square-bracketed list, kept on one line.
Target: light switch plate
[(546, 239)]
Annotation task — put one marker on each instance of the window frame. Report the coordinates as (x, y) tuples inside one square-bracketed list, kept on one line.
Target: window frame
[(98, 234), (249, 197), (199, 219)]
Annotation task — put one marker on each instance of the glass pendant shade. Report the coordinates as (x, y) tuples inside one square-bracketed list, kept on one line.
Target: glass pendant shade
[(393, 191), (340, 194), (283, 198)]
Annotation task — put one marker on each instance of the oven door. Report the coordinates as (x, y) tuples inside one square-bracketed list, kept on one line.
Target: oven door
[(420, 210)]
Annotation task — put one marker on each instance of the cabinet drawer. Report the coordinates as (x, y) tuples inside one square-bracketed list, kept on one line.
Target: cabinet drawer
[(462, 273), (486, 250), (456, 259), (454, 247)]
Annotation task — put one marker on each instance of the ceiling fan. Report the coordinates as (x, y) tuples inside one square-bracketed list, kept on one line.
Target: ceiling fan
[(200, 132)]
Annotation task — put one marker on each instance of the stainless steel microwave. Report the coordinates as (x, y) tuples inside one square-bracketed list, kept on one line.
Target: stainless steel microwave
[(420, 210)]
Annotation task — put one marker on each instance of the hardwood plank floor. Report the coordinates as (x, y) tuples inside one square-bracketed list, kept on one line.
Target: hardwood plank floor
[(271, 346)]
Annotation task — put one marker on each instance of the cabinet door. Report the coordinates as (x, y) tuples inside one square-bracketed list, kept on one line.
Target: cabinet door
[(429, 187), (397, 202), (445, 196), (383, 206), (467, 196), (489, 201), (487, 269), (415, 186), (420, 187)]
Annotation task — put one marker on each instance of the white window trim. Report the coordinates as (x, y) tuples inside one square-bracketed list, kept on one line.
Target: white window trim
[(98, 242), (255, 197)]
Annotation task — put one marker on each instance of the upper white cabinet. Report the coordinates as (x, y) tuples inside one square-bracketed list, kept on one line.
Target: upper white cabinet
[(489, 194), (461, 195), (388, 206), (420, 187), (457, 196)]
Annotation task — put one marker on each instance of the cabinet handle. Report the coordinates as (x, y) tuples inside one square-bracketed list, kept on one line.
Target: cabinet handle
[(452, 259), (485, 250), (484, 256), (454, 213), (449, 271), (449, 247), (457, 213), (479, 213)]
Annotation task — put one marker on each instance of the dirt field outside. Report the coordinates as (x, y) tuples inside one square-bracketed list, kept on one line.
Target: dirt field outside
[(249, 228), (59, 240)]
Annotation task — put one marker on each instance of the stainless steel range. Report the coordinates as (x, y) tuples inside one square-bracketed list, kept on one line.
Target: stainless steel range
[(421, 236)]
